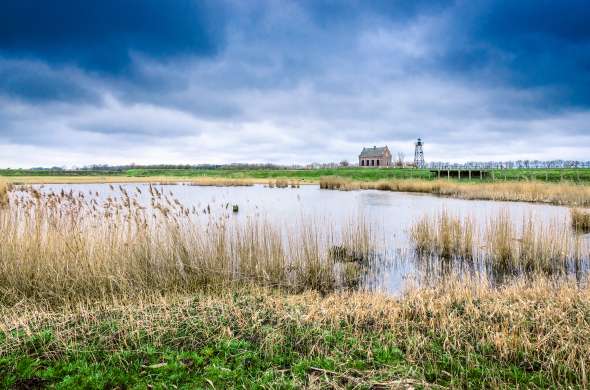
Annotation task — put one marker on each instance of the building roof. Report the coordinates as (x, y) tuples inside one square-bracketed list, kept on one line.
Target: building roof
[(373, 152)]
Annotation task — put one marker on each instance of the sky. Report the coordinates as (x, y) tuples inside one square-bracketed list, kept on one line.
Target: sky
[(291, 82)]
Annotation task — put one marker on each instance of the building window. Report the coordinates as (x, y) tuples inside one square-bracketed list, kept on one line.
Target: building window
[(372, 163), (362, 163), (377, 162)]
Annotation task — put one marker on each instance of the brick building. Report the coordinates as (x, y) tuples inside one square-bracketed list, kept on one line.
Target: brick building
[(375, 157)]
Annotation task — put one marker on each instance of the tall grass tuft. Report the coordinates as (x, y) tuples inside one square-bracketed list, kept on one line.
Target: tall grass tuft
[(500, 242), (5, 189), (535, 247), (580, 220), (444, 235)]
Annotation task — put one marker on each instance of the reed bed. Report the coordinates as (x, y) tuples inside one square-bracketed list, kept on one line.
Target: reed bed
[(504, 247), (444, 235), (580, 220), (60, 246), (458, 334), (5, 189), (283, 183), (567, 194)]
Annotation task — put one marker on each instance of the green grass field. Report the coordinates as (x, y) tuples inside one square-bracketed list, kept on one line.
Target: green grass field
[(248, 342), (551, 175)]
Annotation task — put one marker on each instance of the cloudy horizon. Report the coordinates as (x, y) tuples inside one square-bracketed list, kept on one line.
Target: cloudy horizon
[(291, 82)]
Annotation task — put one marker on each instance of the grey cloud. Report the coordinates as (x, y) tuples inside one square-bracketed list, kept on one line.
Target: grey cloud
[(288, 87)]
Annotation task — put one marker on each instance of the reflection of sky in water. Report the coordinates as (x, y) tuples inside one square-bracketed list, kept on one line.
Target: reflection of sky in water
[(390, 213)]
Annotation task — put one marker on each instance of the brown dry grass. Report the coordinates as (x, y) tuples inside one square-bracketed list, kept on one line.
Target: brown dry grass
[(552, 193), (67, 245), (535, 325)]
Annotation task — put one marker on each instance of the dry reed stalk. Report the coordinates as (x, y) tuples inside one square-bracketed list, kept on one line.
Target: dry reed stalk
[(444, 235), (68, 245), (560, 194), (500, 242), (5, 189)]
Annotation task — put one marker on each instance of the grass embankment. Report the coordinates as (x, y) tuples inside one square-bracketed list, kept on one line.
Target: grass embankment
[(312, 175), (580, 175), (105, 295), (568, 194), (163, 180), (533, 335)]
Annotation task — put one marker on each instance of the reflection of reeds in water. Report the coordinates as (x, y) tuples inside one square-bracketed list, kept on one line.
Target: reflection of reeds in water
[(504, 247), (561, 193), (68, 245)]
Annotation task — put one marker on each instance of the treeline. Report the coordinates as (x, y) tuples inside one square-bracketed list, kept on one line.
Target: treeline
[(518, 164), (125, 168)]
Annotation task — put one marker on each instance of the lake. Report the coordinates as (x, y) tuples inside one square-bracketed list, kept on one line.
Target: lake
[(390, 214)]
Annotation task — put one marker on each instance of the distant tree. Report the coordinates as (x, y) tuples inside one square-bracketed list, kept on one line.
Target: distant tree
[(344, 163), (401, 156)]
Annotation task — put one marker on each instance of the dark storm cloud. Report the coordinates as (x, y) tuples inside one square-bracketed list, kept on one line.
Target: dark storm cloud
[(102, 35), (36, 83), (525, 44)]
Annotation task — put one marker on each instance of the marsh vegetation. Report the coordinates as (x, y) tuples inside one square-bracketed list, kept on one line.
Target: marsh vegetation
[(57, 246), (132, 287), (500, 245), (568, 194), (457, 334)]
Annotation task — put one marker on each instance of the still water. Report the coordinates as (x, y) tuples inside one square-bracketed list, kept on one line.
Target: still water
[(390, 214)]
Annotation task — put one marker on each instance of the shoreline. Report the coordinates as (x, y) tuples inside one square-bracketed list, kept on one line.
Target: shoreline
[(541, 192)]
